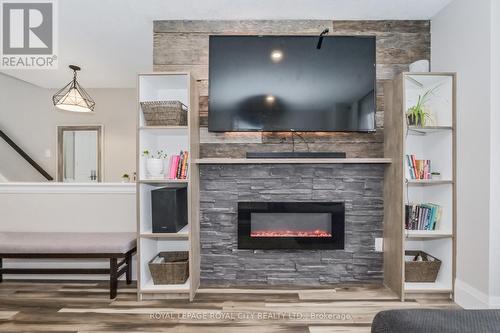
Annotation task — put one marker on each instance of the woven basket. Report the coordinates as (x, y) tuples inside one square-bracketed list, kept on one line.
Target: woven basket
[(175, 269), (164, 113), (421, 271)]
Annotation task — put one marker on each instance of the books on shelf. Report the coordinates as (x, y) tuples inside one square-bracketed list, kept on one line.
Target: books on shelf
[(418, 169), (178, 166), (426, 216)]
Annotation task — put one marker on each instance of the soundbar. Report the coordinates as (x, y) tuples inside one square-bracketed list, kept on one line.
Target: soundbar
[(297, 154)]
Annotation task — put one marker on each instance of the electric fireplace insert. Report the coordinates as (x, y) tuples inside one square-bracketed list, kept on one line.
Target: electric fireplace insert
[(291, 225)]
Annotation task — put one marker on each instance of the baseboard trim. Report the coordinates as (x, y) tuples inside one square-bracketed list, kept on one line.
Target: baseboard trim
[(469, 297)]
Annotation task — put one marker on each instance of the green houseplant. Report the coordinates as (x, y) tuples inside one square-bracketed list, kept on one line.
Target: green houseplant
[(417, 115)]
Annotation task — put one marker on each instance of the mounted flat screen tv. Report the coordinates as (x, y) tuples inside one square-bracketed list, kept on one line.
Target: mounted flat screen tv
[(284, 83)]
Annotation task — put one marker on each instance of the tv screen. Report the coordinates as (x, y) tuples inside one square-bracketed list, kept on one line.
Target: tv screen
[(284, 83)]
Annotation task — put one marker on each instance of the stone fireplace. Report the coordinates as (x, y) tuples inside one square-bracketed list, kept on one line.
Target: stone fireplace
[(351, 193)]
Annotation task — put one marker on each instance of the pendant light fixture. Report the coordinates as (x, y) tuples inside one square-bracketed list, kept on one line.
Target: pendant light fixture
[(73, 97)]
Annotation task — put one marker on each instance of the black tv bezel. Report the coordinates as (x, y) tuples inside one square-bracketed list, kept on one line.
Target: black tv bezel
[(372, 37)]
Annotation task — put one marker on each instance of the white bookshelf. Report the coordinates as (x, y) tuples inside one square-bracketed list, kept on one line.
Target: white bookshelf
[(171, 140), (435, 142)]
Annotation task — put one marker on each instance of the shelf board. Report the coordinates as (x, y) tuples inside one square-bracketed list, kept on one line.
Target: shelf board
[(182, 234), (428, 234), (431, 287), (150, 288), (294, 161), (428, 129), (428, 182), (164, 181), (163, 128), (177, 235)]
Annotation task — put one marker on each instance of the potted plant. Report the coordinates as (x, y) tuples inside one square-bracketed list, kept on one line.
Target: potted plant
[(417, 115), (154, 162), (125, 178)]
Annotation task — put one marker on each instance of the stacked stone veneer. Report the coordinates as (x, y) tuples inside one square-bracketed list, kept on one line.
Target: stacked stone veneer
[(358, 185)]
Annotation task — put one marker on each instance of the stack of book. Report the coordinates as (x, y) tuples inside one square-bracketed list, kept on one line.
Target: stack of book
[(178, 166), (419, 169), (422, 216)]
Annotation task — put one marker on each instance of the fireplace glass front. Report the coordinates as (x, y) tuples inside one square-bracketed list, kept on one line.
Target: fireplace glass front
[(290, 225)]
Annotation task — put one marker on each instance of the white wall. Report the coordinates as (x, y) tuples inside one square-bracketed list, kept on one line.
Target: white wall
[(495, 157), (29, 118), (461, 42), (49, 207)]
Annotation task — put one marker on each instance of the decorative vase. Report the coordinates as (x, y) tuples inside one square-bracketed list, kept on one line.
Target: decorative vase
[(154, 166)]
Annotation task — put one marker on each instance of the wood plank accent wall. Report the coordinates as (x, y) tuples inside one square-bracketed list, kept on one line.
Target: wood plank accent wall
[(183, 45)]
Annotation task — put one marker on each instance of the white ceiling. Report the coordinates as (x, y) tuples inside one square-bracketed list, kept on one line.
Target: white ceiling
[(112, 40)]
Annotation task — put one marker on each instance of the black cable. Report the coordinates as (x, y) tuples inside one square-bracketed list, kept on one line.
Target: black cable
[(321, 35)]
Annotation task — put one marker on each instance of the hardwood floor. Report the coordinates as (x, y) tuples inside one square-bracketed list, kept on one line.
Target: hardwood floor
[(85, 307)]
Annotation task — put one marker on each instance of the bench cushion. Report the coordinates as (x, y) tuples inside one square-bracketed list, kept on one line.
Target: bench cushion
[(66, 242)]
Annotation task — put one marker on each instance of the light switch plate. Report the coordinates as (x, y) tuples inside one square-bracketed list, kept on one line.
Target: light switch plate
[(379, 244)]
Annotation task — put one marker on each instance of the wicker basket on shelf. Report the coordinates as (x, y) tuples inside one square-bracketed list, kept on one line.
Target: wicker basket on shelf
[(425, 270), (174, 268), (164, 113)]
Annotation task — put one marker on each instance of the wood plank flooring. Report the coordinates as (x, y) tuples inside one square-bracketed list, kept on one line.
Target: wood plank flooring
[(85, 308)]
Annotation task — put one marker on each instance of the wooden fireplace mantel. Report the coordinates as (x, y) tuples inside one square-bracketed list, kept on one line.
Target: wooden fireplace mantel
[(294, 161)]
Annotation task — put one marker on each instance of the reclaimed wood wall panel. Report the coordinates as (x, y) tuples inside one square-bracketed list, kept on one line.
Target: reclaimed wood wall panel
[(244, 27), (383, 26), (181, 45), (180, 49)]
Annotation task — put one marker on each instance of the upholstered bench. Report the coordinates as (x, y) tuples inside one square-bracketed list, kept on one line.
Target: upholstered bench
[(71, 245), (439, 321)]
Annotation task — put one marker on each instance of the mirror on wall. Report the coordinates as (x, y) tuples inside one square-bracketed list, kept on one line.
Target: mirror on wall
[(79, 154)]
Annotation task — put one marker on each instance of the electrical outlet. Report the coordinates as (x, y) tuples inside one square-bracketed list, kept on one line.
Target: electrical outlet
[(379, 244)]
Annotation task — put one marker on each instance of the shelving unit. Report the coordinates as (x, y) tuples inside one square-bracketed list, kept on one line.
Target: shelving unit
[(171, 139), (436, 142)]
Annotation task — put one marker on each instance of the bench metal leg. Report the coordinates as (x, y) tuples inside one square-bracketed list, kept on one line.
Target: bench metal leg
[(113, 277), (128, 274)]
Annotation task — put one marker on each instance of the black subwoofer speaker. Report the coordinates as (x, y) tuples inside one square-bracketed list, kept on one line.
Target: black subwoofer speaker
[(169, 209)]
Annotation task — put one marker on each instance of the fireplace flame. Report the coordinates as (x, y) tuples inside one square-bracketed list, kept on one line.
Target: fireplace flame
[(290, 233)]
